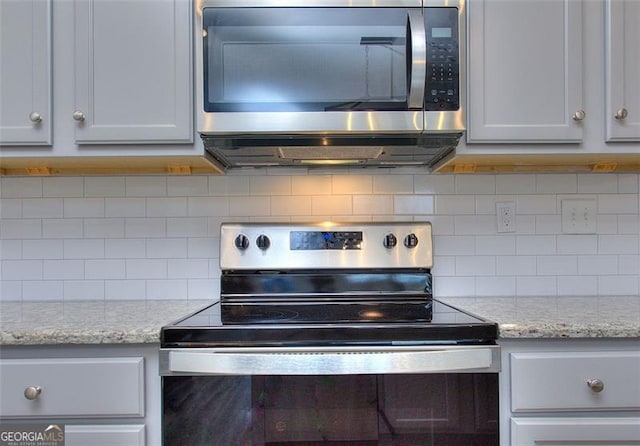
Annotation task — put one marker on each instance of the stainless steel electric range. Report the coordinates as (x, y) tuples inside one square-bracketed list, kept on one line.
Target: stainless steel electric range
[(328, 333)]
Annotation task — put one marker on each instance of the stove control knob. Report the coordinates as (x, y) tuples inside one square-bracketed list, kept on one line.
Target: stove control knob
[(411, 241), (263, 242), (389, 241), (242, 242)]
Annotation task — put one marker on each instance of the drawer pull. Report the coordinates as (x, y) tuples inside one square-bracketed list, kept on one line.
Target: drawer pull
[(595, 385), (32, 392)]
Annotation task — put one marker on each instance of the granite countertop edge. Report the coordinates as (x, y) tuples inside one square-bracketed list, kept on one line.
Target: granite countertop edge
[(139, 322)]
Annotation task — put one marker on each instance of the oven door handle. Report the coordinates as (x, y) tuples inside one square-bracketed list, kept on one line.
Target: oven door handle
[(292, 361)]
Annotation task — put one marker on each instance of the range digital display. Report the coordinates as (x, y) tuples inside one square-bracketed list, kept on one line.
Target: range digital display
[(324, 240)]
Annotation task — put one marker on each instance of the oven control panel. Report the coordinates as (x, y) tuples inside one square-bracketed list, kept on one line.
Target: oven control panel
[(325, 245)]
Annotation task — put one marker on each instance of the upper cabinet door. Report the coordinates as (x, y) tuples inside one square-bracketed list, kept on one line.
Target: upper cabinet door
[(623, 70), (133, 71), (25, 72), (525, 71)]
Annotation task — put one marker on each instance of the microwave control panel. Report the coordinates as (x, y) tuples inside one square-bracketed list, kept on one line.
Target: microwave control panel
[(443, 59)]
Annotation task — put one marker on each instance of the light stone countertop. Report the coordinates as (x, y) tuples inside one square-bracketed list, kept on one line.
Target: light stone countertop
[(139, 322)]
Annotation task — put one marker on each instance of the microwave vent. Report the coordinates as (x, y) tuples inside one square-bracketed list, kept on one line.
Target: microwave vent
[(337, 153)]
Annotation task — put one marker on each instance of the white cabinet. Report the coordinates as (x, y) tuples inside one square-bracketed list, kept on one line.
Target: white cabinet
[(101, 395), (570, 391), (132, 71), (546, 80), (575, 431), (623, 70), (525, 71), (25, 72)]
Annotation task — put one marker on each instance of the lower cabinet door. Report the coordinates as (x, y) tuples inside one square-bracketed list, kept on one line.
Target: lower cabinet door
[(575, 431), (105, 435)]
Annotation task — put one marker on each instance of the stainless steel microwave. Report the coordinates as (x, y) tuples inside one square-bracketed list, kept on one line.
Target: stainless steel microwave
[(330, 82)]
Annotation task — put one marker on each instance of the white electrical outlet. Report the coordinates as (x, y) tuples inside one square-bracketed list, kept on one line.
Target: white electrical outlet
[(579, 216), (506, 214)]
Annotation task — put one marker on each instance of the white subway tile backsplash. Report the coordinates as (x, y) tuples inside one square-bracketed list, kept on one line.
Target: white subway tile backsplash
[(475, 265), (290, 205), (249, 206), (105, 269), (141, 186), (145, 227), (269, 185), (43, 290), (556, 184), (597, 184), (63, 187), (618, 285), (126, 248), (496, 244), (618, 244), (83, 290), (21, 270), (516, 266), (597, 265), (373, 204), (535, 245), (84, 248), (42, 208), (618, 204), (63, 269), (42, 249), (433, 184), (104, 186), (166, 207), (83, 207), (146, 268), (536, 286), (124, 289), (145, 237), (332, 205), (393, 184), (557, 265), (187, 227), (62, 228), (125, 207), (455, 205), (167, 289), (20, 187), (515, 184), (577, 285), (103, 227), (475, 184), (10, 208), (413, 205), (187, 186), (167, 248), (21, 229)]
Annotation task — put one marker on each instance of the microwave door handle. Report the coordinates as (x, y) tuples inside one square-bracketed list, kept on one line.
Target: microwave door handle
[(416, 59)]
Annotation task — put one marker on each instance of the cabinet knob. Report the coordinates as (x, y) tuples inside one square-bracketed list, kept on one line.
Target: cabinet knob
[(35, 117), (595, 385), (621, 114), (579, 115), (32, 392), (78, 116)]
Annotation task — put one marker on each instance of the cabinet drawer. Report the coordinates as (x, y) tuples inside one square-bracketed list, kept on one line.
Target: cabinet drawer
[(83, 387), (559, 381)]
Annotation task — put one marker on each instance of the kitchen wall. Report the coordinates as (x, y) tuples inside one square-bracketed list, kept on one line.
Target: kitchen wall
[(156, 237)]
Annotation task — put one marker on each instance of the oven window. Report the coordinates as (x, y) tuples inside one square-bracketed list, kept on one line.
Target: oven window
[(431, 409)]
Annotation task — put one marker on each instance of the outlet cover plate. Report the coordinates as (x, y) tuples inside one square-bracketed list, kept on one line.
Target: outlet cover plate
[(579, 216), (506, 216)]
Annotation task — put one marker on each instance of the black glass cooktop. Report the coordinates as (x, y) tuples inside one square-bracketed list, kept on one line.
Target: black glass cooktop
[(328, 324)]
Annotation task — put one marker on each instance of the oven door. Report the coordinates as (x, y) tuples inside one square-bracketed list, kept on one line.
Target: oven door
[(342, 396)]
